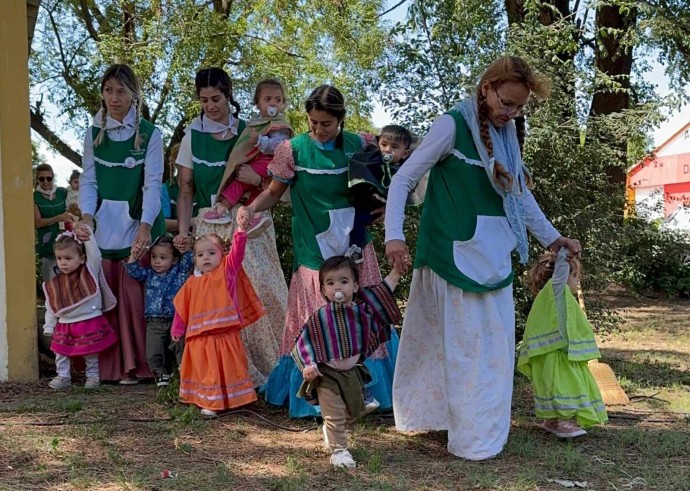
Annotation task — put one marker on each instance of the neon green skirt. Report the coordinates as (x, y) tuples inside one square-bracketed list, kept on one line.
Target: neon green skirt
[(564, 389)]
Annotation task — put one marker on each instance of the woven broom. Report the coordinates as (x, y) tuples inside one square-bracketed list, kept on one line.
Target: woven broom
[(611, 392)]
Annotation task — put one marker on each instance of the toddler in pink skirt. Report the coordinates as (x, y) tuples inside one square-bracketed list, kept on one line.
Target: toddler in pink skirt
[(75, 301)]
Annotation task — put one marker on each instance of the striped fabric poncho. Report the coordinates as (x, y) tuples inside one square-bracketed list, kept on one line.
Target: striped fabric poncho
[(337, 332)]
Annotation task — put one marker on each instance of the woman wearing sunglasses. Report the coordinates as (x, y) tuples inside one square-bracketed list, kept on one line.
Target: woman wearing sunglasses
[(49, 210), (457, 351)]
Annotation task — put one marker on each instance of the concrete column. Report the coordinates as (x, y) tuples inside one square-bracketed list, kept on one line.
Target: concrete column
[(18, 352)]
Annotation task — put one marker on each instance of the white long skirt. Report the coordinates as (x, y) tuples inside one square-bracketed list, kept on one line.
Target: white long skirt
[(455, 365)]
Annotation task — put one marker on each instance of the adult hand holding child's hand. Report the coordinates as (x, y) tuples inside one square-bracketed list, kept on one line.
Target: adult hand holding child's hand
[(244, 216), (573, 246), (398, 255), (83, 231)]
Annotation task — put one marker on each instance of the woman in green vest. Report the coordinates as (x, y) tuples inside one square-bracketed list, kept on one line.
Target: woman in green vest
[(49, 210), (120, 193), (457, 351), (314, 167), (204, 151)]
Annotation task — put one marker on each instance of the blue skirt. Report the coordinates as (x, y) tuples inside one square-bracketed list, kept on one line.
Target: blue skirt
[(284, 381)]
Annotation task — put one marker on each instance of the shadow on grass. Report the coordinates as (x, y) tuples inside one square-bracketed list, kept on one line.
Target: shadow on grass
[(650, 372)]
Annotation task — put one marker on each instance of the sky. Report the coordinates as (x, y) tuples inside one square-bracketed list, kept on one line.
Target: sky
[(676, 120)]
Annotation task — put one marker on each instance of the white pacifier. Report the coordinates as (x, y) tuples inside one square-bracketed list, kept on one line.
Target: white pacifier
[(387, 158), (339, 296), (272, 110)]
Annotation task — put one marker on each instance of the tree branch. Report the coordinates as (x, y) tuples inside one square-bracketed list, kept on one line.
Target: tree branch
[(88, 20), (271, 43), (100, 18), (163, 97), (39, 126), (392, 8)]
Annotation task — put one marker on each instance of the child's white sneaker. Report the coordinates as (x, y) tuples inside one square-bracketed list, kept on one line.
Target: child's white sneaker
[(60, 383), (92, 383), (129, 381), (343, 458), (209, 413), (355, 253)]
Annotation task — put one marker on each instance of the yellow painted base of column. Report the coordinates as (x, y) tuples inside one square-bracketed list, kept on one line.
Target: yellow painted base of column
[(18, 348)]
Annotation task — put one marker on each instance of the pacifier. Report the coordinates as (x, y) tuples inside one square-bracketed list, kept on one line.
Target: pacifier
[(387, 158), (272, 110), (339, 297)]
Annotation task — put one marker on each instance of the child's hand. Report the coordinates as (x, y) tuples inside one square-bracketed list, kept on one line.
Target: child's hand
[(131, 259), (254, 138), (311, 373), (176, 339)]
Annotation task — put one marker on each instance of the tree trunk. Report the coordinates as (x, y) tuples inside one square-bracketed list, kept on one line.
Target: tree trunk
[(615, 60)]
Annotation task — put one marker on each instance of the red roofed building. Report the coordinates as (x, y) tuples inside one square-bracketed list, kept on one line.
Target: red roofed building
[(660, 183)]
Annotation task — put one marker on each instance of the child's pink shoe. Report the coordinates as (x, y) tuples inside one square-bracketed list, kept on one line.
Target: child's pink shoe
[(258, 225), (562, 429), (218, 217)]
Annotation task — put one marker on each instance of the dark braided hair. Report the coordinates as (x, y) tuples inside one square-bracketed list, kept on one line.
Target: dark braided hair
[(329, 99), (216, 78)]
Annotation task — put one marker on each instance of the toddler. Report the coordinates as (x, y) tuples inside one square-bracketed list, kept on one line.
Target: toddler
[(255, 147), (75, 301), (163, 278), (370, 174), (210, 310), (556, 346), (333, 344)]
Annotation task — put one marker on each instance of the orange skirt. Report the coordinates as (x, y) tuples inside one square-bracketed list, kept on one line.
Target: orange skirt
[(213, 373)]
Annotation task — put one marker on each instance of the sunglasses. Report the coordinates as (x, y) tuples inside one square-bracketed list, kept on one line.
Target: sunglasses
[(509, 109), (45, 178)]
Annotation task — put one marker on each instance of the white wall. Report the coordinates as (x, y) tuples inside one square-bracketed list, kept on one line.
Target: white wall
[(679, 144), (649, 202)]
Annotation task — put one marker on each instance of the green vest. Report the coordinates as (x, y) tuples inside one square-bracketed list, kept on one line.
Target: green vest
[(322, 215), (120, 178), (544, 335), (210, 156), (45, 236), (464, 236), (173, 192)]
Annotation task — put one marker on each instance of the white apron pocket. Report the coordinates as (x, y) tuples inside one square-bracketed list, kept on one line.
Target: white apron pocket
[(485, 258), (336, 240), (115, 229)]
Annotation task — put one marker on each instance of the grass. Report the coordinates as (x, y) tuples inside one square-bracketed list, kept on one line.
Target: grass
[(122, 438)]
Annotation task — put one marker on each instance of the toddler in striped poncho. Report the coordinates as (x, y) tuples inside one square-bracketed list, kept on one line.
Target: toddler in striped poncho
[(337, 338)]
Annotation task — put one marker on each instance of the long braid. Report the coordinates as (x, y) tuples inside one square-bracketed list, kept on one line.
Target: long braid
[(501, 176), (137, 135), (104, 116), (520, 130), (235, 105)]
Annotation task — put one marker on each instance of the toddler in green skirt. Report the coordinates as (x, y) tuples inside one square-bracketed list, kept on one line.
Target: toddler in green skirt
[(557, 344)]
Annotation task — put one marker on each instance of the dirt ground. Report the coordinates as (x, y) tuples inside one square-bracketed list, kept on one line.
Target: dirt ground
[(124, 438)]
